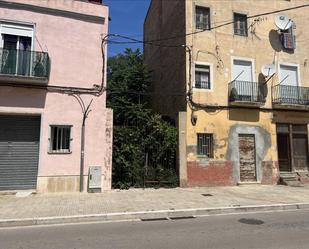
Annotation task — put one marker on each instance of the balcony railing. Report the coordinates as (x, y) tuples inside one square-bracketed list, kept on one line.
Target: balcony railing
[(247, 92), (290, 95), (24, 63), (202, 84)]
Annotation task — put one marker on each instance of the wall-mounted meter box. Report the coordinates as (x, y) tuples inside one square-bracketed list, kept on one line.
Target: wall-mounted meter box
[(94, 179)]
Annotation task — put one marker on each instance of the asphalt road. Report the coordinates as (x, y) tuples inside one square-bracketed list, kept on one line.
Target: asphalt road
[(282, 230)]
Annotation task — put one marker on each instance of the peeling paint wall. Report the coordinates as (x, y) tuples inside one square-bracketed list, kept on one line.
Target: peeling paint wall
[(226, 129), (217, 47), (262, 144)]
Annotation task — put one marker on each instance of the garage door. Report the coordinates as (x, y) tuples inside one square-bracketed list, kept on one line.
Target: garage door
[(19, 152)]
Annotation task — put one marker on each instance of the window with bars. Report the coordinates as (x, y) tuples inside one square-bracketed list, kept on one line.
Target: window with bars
[(202, 77), (205, 145), (60, 139), (202, 18), (240, 24)]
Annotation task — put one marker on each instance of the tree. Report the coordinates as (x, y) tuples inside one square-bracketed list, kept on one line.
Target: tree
[(137, 130)]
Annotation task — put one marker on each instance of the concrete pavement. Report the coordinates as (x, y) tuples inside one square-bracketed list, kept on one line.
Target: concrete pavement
[(148, 204)]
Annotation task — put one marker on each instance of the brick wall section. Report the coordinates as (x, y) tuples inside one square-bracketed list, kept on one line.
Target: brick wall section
[(212, 174), (270, 172)]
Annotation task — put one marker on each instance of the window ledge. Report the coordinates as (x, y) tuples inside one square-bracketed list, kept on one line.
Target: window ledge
[(240, 35), (202, 89), (204, 157), (196, 29), (59, 153)]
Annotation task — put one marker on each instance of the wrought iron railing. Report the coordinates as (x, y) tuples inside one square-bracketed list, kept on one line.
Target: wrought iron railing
[(295, 95), (202, 84), (24, 63), (247, 91)]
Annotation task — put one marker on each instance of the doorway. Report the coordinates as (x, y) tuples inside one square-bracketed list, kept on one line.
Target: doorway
[(247, 162), (292, 143)]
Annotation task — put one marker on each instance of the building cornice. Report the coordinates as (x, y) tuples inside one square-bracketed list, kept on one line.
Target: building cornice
[(52, 11)]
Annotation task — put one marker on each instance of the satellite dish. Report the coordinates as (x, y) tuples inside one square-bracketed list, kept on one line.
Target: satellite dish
[(268, 69), (283, 22)]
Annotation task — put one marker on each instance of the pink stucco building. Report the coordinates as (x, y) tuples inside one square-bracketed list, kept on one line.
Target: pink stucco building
[(51, 61)]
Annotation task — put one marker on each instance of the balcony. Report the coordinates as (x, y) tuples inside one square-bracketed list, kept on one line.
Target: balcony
[(290, 97), (21, 66), (247, 93)]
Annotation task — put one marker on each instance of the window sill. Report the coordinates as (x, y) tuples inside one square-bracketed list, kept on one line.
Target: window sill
[(202, 89), (204, 157), (202, 30), (59, 153), (240, 35)]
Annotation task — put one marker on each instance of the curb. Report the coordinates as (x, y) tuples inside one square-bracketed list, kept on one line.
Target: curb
[(151, 215)]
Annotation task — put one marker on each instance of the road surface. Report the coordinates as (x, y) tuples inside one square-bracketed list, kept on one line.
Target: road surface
[(282, 230)]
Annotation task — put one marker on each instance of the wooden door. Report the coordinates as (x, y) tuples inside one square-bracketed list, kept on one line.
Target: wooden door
[(300, 149), (247, 158)]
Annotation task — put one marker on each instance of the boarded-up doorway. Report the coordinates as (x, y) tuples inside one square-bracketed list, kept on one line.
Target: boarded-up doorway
[(247, 158)]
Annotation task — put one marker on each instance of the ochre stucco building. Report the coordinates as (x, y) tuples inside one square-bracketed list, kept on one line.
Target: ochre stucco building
[(240, 119)]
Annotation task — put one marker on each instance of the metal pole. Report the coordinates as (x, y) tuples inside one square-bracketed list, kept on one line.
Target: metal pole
[(145, 169), (82, 156)]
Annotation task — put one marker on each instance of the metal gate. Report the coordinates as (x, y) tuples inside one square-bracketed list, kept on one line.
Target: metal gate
[(19, 152), (247, 158)]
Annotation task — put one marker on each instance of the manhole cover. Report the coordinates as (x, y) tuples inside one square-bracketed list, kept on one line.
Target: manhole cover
[(251, 221)]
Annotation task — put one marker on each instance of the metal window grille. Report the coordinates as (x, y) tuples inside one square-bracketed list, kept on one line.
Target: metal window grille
[(60, 139), (202, 18), (202, 77), (240, 24), (205, 144)]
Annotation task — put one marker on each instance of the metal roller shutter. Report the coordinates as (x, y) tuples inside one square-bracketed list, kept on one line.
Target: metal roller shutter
[(19, 152)]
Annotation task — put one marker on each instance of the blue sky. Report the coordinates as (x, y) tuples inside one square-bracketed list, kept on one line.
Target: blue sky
[(127, 18)]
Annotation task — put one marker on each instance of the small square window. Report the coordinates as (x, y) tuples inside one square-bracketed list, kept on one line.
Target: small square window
[(205, 145), (60, 139), (202, 18), (240, 24), (202, 77)]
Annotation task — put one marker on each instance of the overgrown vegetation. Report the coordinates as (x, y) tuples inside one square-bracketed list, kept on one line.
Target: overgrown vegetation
[(144, 144)]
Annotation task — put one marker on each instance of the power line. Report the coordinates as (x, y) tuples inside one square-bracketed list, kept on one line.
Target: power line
[(153, 42)]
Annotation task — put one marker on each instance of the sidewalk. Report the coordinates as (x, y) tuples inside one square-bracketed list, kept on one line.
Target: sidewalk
[(147, 204)]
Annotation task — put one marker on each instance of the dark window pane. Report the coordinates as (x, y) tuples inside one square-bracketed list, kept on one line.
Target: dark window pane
[(9, 41), (66, 139), (24, 55), (202, 76), (205, 144), (282, 128), (202, 18), (299, 128), (240, 24), (60, 138)]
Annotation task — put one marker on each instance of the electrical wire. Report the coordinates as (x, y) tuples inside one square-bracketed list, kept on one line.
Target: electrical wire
[(153, 42)]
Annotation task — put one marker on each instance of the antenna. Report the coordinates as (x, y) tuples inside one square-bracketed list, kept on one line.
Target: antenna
[(268, 70), (283, 22)]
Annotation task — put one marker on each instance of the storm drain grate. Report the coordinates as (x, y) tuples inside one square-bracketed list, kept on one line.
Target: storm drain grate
[(207, 195)]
